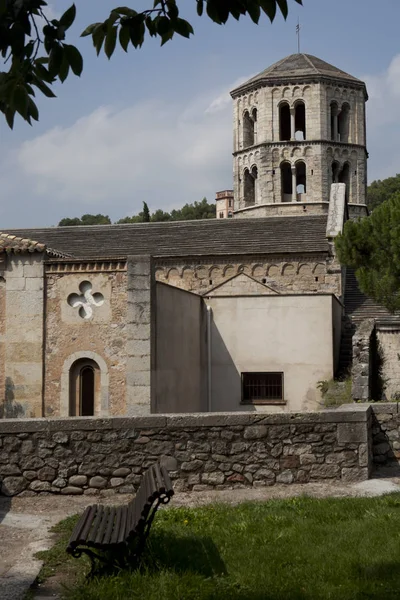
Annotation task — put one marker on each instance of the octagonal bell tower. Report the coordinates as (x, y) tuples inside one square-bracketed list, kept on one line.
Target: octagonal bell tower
[(299, 126)]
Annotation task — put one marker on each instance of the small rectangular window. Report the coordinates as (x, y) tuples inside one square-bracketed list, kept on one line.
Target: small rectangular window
[(230, 203), (262, 388), (221, 215)]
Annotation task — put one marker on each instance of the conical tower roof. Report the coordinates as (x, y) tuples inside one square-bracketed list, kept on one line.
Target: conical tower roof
[(298, 68)]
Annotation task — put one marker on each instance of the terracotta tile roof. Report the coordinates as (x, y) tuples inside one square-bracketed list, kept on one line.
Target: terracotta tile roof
[(14, 244), (299, 67), (209, 237)]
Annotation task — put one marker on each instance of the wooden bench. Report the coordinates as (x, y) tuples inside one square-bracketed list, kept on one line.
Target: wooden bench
[(116, 535)]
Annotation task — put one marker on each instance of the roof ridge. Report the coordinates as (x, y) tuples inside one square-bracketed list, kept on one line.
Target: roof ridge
[(306, 56)]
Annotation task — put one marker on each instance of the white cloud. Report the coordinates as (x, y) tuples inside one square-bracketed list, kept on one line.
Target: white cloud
[(383, 124), (223, 100), (111, 160)]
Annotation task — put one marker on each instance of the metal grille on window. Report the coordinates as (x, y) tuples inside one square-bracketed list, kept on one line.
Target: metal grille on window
[(262, 387)]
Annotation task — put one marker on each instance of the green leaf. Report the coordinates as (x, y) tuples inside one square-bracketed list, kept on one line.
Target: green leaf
[(167, 36), (20, 100), (98, 37), (42, 73), (163, 25), (182, 27), (283, 7), (55, 59), (200, 7), (43, 87), (9, 115), (137, 31), (124, 37), (64, 68), (68, 17), (32, 110), (127, 12), (74, 58), (254, 11), (111, 39), (90, 29), (269, 7)]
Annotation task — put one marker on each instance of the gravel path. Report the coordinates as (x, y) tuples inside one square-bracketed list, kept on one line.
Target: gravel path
[(25, 522)]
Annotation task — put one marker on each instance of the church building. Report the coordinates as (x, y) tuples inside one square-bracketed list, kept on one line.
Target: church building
[(244, 312)]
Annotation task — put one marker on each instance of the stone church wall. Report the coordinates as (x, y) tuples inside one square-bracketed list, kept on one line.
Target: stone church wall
[(22, 336), (210, 451), (78, 327), (290, 275)]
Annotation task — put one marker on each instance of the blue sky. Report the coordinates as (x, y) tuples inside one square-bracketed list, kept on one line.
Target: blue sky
[(156, 124)]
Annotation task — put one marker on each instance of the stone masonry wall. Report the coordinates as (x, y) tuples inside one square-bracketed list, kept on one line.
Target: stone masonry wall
[(361, 364), (299, 274), (71, 334), (389, 342), (220, 450), (386, 434)]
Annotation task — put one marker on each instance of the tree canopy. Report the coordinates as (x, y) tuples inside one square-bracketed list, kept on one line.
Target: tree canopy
[(197, 210), (86, 220), (371, 246), (381, 190), (37, 55)]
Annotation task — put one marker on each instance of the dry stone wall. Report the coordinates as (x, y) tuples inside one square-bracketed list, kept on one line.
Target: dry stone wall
[(386, 434), (204, 451)]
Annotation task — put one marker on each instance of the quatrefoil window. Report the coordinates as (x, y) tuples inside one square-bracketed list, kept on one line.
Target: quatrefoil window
[(86, 301)]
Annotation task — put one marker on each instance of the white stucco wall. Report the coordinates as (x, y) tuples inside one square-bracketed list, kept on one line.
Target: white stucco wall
[(293, 334)]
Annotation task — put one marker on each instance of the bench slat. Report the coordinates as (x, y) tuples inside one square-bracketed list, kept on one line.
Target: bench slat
[(121, 532), (167, 479), (95, 525), (110, 526), (114, 535), (159, 483), (79, 526), (88, 523), (102, 526)]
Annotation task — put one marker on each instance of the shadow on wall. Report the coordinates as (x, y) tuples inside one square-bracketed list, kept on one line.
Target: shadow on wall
[(384, 458), (10, 409), (226, 380), (377, 382)]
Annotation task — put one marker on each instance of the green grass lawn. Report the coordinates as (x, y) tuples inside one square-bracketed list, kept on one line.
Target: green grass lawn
[(297, 549)]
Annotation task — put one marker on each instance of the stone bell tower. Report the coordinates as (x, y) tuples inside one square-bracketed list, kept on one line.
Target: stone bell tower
[(299, 126)]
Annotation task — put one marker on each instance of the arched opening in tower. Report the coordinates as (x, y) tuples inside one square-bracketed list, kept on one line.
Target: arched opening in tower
[(250, 186), (248, 130), (344, 177), (284, 122), (300, 121), (344, 123), (254, 118), (301, 181), (286, 182), (335, 172), (334, 110)]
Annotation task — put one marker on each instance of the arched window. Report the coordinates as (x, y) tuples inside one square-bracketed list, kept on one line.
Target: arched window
[(250, 186), (254, 117), (343, 124), (248, 130), (300, 121), (301, 180), (335, 172), (84, 388), (286, 182), (344, 177), (284, 122), (334, 110)]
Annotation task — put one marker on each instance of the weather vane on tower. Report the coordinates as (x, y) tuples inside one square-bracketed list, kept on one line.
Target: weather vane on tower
[(298, 35)]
